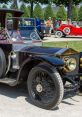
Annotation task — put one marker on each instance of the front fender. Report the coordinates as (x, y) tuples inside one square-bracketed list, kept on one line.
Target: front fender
[(54, 61), (51, 60)]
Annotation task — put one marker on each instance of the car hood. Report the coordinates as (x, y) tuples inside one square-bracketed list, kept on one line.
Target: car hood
[(49, 50)]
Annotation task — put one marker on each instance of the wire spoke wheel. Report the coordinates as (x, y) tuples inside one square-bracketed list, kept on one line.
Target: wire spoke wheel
[(45, 87)]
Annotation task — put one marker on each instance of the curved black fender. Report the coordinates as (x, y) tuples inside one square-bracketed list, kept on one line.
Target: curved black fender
[(54, 61), (51, 60)]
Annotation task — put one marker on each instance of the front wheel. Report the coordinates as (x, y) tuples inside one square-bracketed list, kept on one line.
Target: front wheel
[(45, 87), (41, 35), (58, 34)]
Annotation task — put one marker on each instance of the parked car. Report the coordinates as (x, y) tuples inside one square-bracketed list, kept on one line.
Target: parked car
[(31, 24), (45, 70), (28, 34), (68, 29)]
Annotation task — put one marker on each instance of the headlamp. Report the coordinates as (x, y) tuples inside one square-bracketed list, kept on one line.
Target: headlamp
[(70, 64)]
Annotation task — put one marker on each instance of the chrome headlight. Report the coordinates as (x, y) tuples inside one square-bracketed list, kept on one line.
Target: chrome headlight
[(70, 64)]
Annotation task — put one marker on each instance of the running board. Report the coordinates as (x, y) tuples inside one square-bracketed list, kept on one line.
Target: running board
[(8, 81)]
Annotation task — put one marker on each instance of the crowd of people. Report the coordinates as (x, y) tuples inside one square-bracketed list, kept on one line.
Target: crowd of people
[(51, 24)]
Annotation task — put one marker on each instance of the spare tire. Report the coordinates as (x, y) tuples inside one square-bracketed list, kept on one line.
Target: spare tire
[(2, 63), (66, 30)]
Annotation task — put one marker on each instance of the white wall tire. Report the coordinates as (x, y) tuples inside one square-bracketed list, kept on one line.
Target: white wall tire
[(66, 30), (58, 34)]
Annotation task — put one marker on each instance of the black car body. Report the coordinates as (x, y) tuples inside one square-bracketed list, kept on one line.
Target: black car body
[(48, 72)]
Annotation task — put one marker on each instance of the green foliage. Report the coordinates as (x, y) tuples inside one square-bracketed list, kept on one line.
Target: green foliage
[(74, 13), (4, 6), (36, 1), (80, 14), (14, 5), (61, 14), (48, 12), (38, 12), (4, 1), (66, 2), (32, 4), (25, 10), (29, 8)]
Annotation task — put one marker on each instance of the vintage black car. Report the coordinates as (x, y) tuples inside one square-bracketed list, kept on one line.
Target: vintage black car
[(48, 72)]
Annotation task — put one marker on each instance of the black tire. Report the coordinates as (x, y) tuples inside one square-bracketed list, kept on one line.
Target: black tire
[(41, 35), (80, 89), (51, 94), (2, 63)]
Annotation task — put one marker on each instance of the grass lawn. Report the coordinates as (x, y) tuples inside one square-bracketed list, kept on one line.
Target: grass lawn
[(77, 45)]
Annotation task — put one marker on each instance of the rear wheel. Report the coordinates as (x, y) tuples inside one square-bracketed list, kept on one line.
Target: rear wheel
[(58, 34), (41, 35), (45, 87), (2, 63)]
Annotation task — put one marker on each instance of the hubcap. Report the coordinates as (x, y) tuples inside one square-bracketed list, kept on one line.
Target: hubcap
[(58, 34), (43, 87), (39, 88)]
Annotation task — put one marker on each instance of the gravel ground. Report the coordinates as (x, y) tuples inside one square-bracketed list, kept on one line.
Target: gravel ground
[(70, 38), (14, 102)]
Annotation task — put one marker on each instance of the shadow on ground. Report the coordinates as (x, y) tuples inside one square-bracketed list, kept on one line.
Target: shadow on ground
[(13, 92), (21, 90), (75, 37)]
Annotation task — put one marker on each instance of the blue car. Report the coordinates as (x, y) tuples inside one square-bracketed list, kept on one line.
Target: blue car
[(31, 24)]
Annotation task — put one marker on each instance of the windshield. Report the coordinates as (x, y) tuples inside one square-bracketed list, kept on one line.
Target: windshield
[(27, 22), (22, 32)]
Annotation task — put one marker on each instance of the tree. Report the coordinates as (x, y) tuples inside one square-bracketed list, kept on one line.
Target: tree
[(32, 4), (61, 14), (4, 6), (25, 10), (74, 13), (4, 1), (14, 4), (48, 12), (68, 4), (80, 14), (38, 12)]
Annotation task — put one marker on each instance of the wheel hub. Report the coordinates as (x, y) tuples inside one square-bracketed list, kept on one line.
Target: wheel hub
[(39, 88)]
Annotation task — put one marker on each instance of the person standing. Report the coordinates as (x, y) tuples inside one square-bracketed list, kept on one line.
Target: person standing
[(48, 26)]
